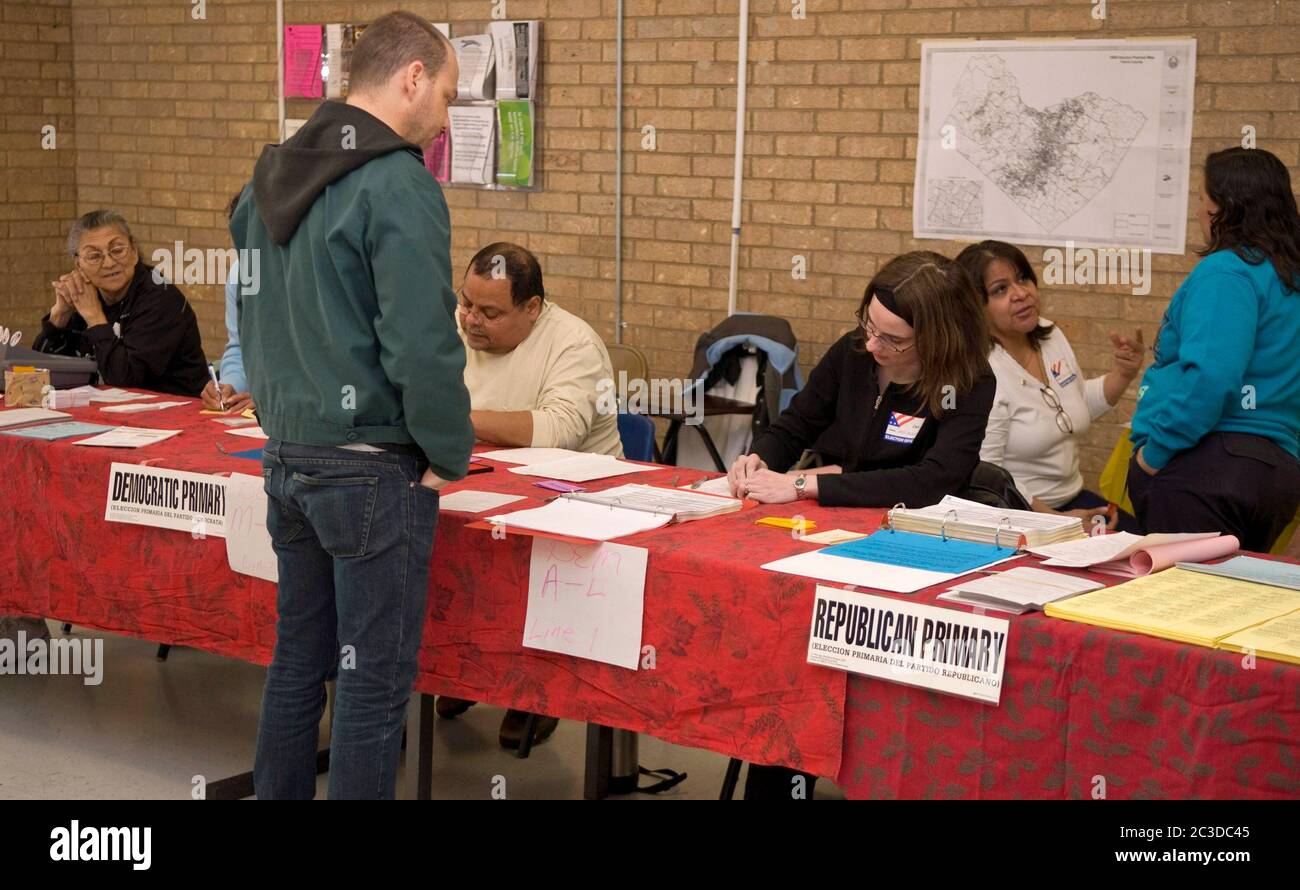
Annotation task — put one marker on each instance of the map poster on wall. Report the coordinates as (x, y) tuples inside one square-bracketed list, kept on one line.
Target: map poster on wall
[(1044, 142)]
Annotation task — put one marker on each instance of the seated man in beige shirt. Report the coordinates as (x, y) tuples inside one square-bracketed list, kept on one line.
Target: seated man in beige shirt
[(532, 371), (531, 368)]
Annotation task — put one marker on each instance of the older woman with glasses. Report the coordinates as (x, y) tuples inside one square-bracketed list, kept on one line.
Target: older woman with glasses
[(1043, 403), (141, 331)]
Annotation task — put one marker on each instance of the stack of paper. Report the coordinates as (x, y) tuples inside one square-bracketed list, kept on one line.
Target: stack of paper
[(1252, 568), (477, 66), (473, 143), (582, 468), (971, 521), (515, 45), (15, 416), (1018, 590), (624, 510), (1131, 556), (53, 431), (128, 437), (135, 409), (69, 398), (515, 143), (114, 395), (1176, 604), (580, 519), (1278, 639), (683, 506)]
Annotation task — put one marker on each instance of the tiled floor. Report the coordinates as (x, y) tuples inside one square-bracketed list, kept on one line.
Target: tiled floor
[(151, 727)]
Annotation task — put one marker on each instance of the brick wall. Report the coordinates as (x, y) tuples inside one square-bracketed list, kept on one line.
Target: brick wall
[(171, 112), (37, 184)]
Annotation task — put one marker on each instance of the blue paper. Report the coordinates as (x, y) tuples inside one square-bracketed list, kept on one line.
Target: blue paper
[(61, 430), (916, 551), (251, 454), (1251, 568)]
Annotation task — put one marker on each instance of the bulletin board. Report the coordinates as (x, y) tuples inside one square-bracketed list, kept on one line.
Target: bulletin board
[(491, 141)]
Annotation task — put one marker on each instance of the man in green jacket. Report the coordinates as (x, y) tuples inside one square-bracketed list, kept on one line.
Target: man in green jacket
[(350, 345)]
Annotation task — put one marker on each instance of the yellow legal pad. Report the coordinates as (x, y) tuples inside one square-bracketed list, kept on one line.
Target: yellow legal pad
[(1196, 608)]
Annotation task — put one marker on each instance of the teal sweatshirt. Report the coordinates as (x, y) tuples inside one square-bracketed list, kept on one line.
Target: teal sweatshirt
[(1226, 361), (349, 332)]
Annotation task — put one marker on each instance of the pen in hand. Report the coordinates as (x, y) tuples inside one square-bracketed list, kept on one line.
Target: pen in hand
[(212, 372)]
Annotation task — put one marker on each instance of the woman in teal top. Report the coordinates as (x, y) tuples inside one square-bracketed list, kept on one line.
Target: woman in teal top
[(1217, 430)]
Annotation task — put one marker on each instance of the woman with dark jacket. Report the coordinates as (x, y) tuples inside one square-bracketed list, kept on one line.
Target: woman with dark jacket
[(895, 411), (141, 331)]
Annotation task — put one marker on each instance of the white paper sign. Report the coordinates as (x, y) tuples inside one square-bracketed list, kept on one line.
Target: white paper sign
[(248, 543), (586, 601), (910, 643), (191, 502), (473, 141)]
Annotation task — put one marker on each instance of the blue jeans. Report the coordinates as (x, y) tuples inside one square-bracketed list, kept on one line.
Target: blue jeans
[(353, 534)]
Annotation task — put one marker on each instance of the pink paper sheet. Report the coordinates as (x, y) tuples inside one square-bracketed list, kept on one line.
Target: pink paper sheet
[(302, 46), (1162, 556), (437, 159)]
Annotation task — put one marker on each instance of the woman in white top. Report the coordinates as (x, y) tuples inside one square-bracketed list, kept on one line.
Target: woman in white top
[(1043, 402)]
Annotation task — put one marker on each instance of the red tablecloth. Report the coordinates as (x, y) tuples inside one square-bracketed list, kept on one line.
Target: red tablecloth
[(729, 638), (1155, 718)]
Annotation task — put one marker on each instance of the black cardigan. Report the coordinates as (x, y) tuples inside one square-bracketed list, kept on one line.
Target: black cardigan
[(156, 345), (843, 417)]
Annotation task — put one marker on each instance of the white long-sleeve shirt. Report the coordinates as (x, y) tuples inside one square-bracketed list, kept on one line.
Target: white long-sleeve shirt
[(1022, 435), (553, 374)]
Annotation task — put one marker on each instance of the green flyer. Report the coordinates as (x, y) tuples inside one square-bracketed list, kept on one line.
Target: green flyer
[(515, 157)]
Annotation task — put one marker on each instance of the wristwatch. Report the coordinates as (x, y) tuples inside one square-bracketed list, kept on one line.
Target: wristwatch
[(800, 483)]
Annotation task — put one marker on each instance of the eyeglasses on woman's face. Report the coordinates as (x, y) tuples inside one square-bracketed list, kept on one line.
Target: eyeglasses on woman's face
[(118, 251), (897, 344)]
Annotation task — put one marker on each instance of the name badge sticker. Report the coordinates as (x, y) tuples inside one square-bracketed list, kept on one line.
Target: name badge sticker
[(1062, 374), (903, 428)]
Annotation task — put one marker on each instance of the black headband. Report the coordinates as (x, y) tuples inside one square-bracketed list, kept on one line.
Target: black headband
[(887, 299)]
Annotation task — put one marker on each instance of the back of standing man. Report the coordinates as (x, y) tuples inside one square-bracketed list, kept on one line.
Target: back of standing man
[(350, 343)]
